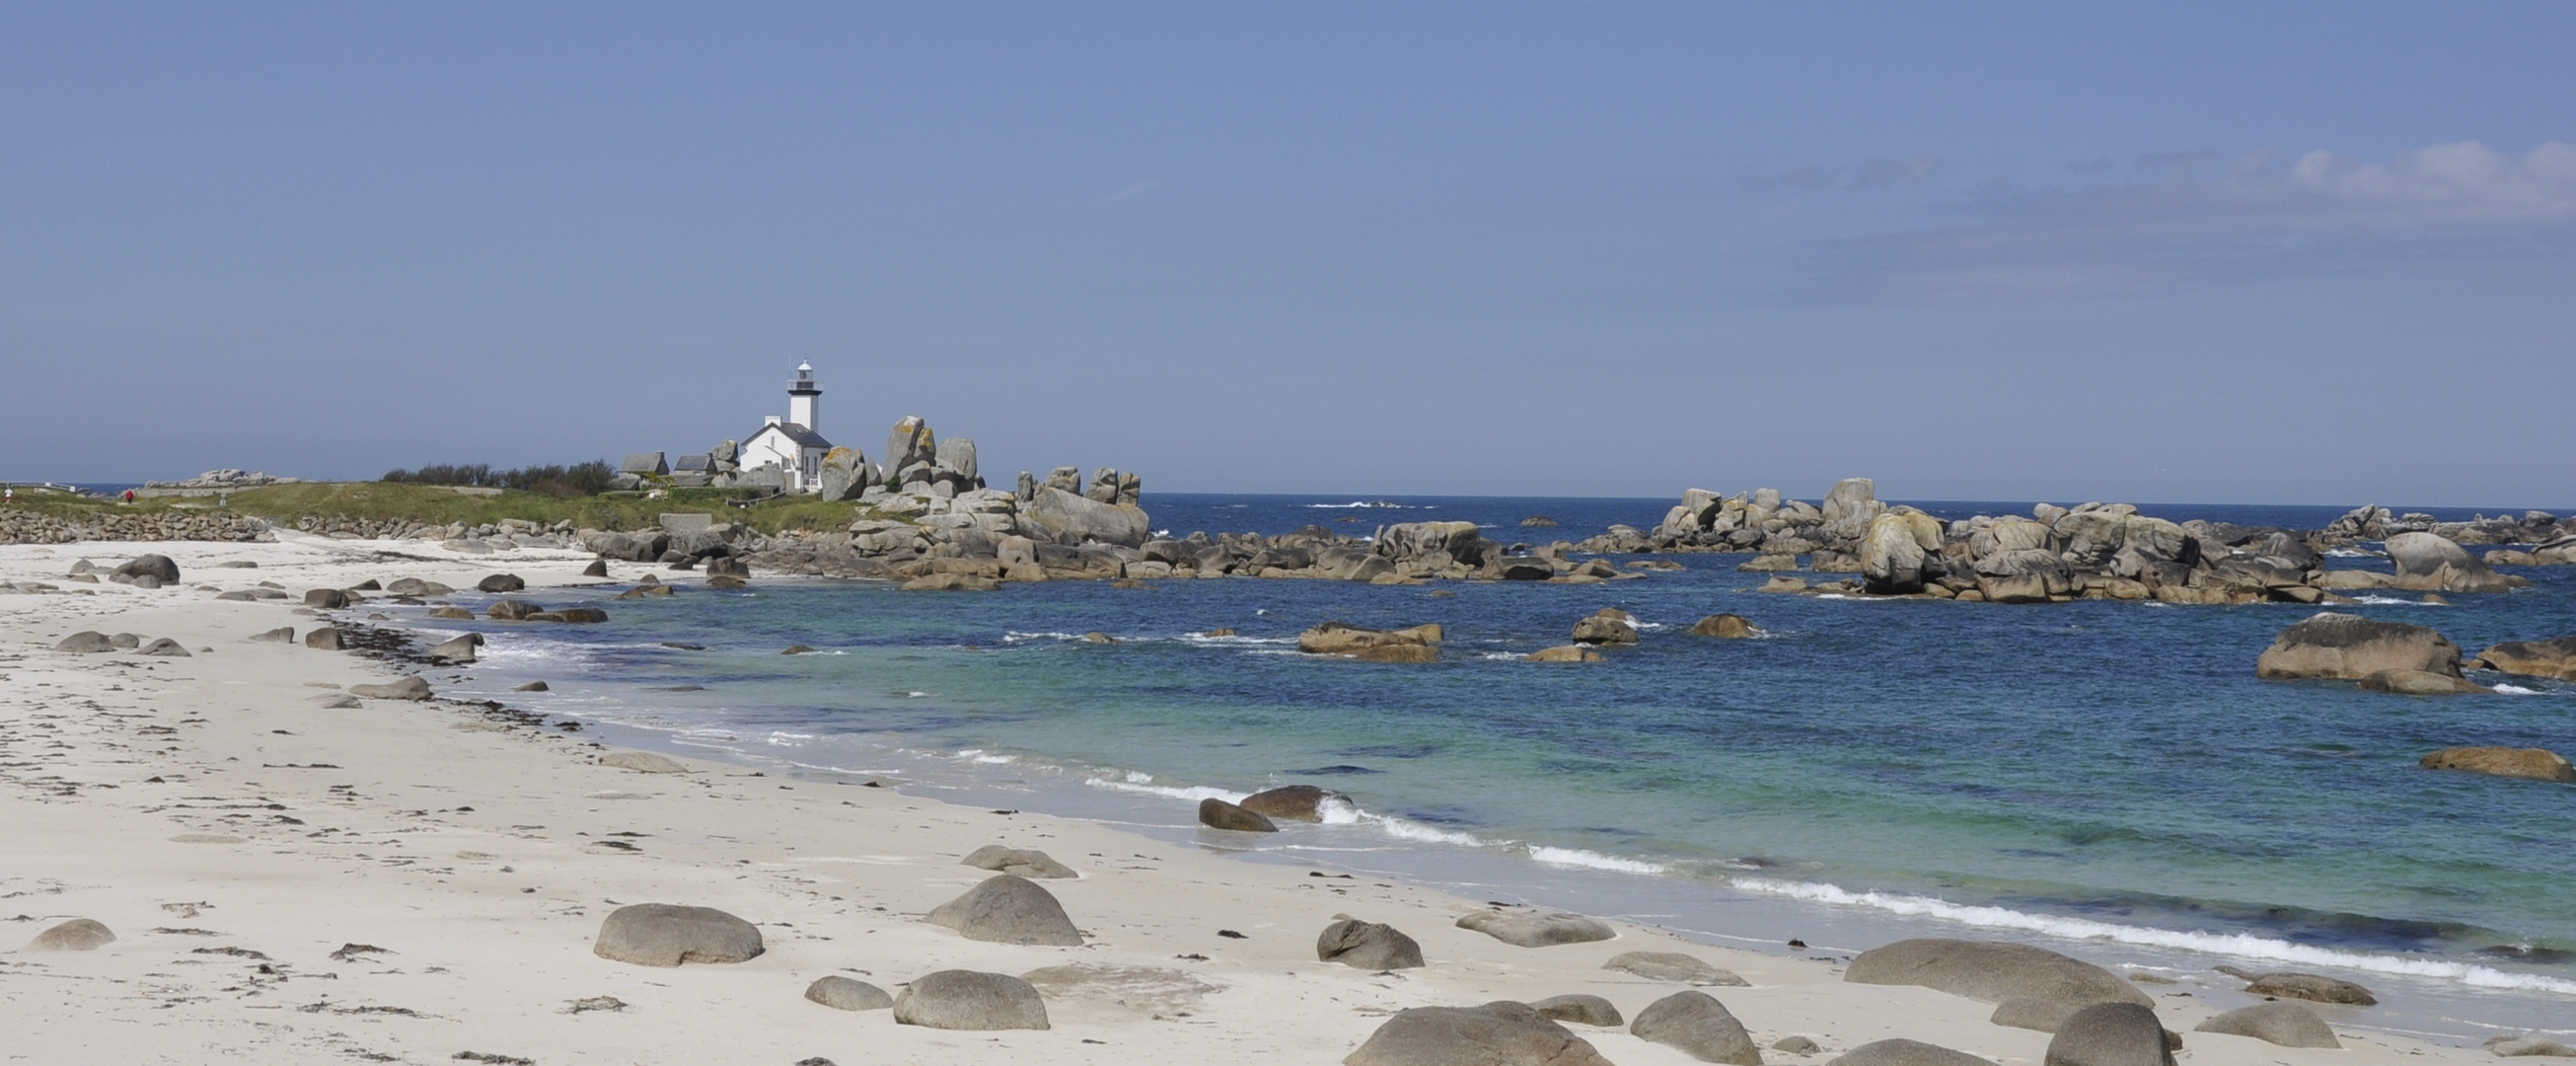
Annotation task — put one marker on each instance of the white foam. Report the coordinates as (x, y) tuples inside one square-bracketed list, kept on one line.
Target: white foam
[(1403, 829), (2240, 945), (2386, 601), (2517, 690), (1592, 860), (1192, 793), (1014, 637)]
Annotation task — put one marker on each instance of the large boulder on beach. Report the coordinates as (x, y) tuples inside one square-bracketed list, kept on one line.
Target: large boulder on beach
[(2554, 658), (1008, 910), (663, 934), (1537, 929), (1502, 1033), (500, 583), (1297, 803), (1995, 972), (1018, 862), (1065, 518), (2431, 562), (326, 599), (1902, 1052), (79, 934), (847, 993), (2351, 647), (1671, 966), (1367, 945), (86, 642), (2286, 1024), (1215, 813), (2539, 764), (1343, 638), (409, 688), (2111, 1034), (970, 1000), (158, 567), (1580, 1009), (1698, 1025)]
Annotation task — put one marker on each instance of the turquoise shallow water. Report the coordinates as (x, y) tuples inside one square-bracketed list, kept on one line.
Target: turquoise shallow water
[(2102, 771)]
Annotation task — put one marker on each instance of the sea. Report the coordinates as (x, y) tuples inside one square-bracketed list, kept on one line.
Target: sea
[(2108, 779)]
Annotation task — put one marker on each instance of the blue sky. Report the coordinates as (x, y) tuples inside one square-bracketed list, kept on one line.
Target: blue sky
[(2299, 253)]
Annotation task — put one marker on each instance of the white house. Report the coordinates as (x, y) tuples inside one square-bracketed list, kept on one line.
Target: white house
[(792, 443)]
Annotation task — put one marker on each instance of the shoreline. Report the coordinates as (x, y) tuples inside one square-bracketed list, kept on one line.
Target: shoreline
[(430, 784)]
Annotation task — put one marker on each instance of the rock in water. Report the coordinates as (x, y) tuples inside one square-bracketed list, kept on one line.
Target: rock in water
[(1297, 803), (1580, 1009), (86, 642), (1905, 1053), (158, 567), (2420, 683), (2110, 1034), (1700, 1026), (843, 993), (1343, 638), (663, 934), (1995, 972), (409, 688), (1566, 653), (1218, 814), (1893, 552), (508, 610), (1725, 627), (2351, 647), (2533, 658), (1008, 910), (1671, 966), (1497, 1034), (2430, 562), (458, 650), (642, 762), (1367, 945), (79, 934), (2286, 1024), (1017, 862), (969, 1000), (2537, 763), (1610, 626), (1537, 929)]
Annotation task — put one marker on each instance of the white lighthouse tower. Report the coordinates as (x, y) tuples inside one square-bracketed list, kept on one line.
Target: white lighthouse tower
[(802, 396), (791, 445)]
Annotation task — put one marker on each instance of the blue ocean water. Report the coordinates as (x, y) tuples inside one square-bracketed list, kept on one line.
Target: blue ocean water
[(2096, 771)]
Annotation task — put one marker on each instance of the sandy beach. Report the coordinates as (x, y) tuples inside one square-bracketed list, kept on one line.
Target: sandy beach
[(415, 882)]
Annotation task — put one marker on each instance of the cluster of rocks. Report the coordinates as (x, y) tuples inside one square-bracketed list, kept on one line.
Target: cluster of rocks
[(2372, 522), (2415, 660), (2057, 554), (28, 527), (227, 478)]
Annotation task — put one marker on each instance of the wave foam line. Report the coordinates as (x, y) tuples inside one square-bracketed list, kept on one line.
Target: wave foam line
[(1592, 860), (2240, 945)]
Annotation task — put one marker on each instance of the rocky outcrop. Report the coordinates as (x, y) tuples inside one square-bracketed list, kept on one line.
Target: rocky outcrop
[(970, 1000), (662, 934), (2426, 562), (1537, 929), (1069, 519), (1368, 946), (2286, 1024), (2330, 645), (1497, 1034), (1343, 638), (2539, 764), (1699, 1026), (2554, 658), (1901, 551), (1008, 910)]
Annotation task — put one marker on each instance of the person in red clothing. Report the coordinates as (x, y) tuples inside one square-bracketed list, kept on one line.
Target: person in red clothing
[(129, 495)]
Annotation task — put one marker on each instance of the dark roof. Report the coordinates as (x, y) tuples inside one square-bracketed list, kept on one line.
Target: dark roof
[(697, 464), (804, 438)]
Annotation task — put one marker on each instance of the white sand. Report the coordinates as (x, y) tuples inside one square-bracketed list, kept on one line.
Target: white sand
[(475, 855)]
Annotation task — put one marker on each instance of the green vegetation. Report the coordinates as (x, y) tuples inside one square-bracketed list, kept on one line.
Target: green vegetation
[(441, 505), (579, 479)]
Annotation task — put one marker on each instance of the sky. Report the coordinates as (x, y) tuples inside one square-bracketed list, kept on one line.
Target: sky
[(2178, 252)]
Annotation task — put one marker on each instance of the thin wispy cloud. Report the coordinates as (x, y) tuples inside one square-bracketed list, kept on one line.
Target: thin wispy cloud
[(2182, 219), (1138, 189), (1867, 174)]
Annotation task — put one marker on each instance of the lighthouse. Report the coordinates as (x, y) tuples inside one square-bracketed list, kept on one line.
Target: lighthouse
[(802, 396)]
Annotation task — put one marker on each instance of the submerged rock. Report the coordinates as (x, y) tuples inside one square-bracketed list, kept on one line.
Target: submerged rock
[(2555, 658), (2539, 764), (2330, 645)]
